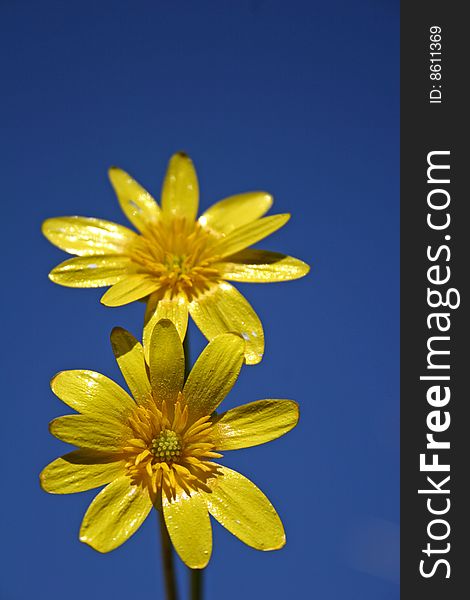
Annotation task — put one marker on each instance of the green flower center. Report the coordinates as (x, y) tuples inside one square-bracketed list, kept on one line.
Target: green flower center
[(166, 446), (177, 265)]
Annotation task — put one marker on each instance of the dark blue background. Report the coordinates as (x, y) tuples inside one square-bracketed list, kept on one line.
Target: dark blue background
[(300, 99)]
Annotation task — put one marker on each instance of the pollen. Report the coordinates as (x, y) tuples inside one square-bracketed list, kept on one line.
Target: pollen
[(179, 255), (167, 452)]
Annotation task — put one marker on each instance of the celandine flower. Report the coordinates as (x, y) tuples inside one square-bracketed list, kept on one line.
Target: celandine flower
[(157, 449), (178, 263)]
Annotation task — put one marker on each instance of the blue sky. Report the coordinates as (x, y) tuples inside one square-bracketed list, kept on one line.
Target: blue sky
[(300, 99)]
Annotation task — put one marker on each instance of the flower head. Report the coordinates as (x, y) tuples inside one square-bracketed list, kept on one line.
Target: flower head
[(158, 448), (179, 264)]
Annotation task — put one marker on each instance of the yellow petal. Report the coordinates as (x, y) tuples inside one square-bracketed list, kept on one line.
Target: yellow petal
[(261, 266), (180, 192), (130, 358), (79, 471), (189, 526), (222, 308), (86, 236), (138, 205), (254, 424), (92, 394), (235, 211), (166, 358), (114, 515), (245, 511), (133, 287), (214, 374), (175, 309), (249, 234), (92, 271), (88, 432)]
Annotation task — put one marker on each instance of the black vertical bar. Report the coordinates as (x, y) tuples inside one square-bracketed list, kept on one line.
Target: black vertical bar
[(435, 119)]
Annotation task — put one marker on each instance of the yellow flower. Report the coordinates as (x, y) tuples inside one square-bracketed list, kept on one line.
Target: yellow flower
[(157, 449), (180, 264)]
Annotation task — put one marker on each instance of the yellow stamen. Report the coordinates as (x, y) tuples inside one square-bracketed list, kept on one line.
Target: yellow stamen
[(179, 255), (167, 454)]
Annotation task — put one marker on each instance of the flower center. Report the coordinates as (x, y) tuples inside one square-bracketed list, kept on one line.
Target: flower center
[(167, 452), (166, 446), (179, 255), (175, 262)]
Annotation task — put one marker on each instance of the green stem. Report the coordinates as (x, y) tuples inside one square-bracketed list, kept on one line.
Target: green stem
[(167, 561), (196, 584), (195, 574)]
